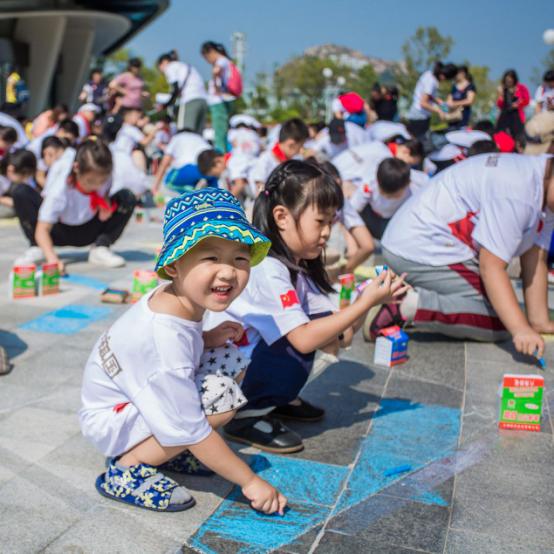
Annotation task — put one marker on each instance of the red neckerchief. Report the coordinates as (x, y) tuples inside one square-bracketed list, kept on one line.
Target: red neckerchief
[(278, 153), (393, 147), (96, 201), (86, 122), (227, 157)]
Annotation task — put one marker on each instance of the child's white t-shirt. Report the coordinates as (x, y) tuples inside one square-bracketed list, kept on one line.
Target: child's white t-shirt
[(177, 72), (126, 174), (65, 204), (245, 142), (426, 84), (128, 137), (154, 372), (349, 217), (271, 306), (262, 167), (60, 169), (490, 200), (356, 163), (184, 148), (545, 96), (355, 135)]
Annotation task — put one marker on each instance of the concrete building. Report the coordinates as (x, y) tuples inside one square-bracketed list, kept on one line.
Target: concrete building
[(53, 41)]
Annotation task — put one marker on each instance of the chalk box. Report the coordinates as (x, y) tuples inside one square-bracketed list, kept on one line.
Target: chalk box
[(391, 347), (143, 281), (48, 280), (22, 281), (521, 404)]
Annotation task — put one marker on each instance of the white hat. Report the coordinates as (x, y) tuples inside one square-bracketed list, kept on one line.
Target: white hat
[(540, 133), (447, 152), (244, 119), (385, 130), (89, 107), (466, 137)]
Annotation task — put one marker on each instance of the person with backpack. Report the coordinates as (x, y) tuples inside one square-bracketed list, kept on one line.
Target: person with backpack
[(187, 89), (224, 88)]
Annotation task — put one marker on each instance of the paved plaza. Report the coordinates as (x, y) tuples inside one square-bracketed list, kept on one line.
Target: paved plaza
[(460, 486)]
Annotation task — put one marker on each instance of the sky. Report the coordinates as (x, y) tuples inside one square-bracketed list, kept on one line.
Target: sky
[(499, 33)]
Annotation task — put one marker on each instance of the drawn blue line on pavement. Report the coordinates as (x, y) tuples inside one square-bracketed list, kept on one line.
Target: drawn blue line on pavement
[(68, 320), (402, 433), (85, 281)]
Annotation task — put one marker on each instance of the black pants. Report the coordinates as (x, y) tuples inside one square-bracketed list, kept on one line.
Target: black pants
[(27, 201), (375, 224), (418, 127)]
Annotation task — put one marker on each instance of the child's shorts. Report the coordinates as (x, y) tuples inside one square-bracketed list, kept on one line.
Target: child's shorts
[(215, 379)]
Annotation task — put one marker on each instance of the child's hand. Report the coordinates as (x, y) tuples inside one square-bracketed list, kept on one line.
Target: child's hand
[(528, 341), (263, 497), (218, 336), (386, 288)]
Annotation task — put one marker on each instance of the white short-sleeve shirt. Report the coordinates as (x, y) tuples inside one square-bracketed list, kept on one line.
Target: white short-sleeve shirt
[(545, 96), (349, 217), (355, 135), (177, 72), (126, 174), (63, 203), (184, 148), (490, 200), (155, 374), (245, 142), (427, 84), (262, 167), (60, 169), (128, 137), (271, 306), (356, 163)]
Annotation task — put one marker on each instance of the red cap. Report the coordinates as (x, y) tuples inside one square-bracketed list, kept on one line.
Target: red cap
[(504, 142)]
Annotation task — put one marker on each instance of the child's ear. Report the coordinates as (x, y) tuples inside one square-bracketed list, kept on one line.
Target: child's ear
[(282, 217), (171, 271)]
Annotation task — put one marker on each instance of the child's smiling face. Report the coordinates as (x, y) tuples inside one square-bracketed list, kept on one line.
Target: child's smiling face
[(211, 275)]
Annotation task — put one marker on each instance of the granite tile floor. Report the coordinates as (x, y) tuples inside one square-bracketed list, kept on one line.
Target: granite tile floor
[(490, 492)]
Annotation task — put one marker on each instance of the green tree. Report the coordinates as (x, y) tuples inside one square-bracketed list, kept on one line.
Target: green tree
[(362, 81), (485, 96), (421, 51), (258, 99)]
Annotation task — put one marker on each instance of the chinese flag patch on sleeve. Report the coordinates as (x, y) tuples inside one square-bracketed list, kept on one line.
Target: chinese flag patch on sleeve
[(289, 299)]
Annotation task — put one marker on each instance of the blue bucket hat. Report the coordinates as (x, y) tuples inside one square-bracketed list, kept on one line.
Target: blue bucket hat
[(210, 212)]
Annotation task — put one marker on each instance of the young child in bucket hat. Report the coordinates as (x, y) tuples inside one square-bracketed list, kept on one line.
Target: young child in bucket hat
[(155, 387)]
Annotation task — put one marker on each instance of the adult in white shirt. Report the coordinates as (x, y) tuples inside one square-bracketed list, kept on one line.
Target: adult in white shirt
[(220, 100), (180, 163), (188, 89), (456, 239), (544, 97), (77, 210), (425, 100)]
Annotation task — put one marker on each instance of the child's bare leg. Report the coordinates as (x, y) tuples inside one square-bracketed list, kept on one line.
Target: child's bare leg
[(151, 452)]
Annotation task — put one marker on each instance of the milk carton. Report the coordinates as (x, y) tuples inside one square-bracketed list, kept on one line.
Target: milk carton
[(22, 281), (346, 289), (143, 281), (521, 404), (391, 347), (48, 279)]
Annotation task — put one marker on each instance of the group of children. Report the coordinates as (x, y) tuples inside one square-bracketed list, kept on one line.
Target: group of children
[(246, 309)]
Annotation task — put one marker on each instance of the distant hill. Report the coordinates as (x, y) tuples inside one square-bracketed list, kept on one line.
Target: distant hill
[(351, 58)]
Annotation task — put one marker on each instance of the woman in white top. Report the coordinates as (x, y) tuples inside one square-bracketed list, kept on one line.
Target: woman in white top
[(219, 100), (77, 210), (425, 100), (188, 89)]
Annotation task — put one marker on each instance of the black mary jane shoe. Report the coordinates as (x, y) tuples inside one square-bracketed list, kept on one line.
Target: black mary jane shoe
[(265, 433), (303, 412)]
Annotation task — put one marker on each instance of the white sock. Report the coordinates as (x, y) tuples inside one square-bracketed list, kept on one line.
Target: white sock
[(408, 306)]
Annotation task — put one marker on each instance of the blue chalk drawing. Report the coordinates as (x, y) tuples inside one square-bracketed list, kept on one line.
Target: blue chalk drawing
[(68, 320), (402, 434), (85, 281)]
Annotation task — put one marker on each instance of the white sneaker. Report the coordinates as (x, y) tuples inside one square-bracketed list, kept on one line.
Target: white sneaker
[(102, 255), (33, 255)]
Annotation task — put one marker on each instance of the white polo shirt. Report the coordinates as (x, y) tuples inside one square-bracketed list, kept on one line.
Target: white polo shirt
[(184, 148), (128, 138), (271, 307), (427, 84), (178, 72), (155, 374), (490, 200)]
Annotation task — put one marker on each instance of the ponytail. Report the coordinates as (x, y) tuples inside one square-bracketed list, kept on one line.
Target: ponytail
[(210, 46)]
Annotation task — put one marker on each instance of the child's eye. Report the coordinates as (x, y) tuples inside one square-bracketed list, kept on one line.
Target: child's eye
[(210, 259), (242, 259)]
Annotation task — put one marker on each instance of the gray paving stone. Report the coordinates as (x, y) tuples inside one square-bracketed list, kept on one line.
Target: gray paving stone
[(466, 542), (335, 543), (423, 392)]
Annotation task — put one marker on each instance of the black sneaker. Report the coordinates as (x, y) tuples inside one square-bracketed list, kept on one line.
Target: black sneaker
[(303, 412), (264, 433)]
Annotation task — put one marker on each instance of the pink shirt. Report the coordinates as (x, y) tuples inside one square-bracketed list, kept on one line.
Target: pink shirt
[(133, 89)]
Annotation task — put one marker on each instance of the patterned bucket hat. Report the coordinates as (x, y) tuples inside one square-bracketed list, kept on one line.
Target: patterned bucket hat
[(195, 216)]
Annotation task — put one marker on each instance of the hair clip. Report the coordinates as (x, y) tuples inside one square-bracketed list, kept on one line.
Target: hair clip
[(266, 192)]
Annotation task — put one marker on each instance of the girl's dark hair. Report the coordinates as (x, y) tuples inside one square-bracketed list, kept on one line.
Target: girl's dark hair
[(210, 45), (135, 62), (510, 73), (168, 57), (23, 161), (8, 134), (94, 155), (465, 69), (448, 71), (296, 185)]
